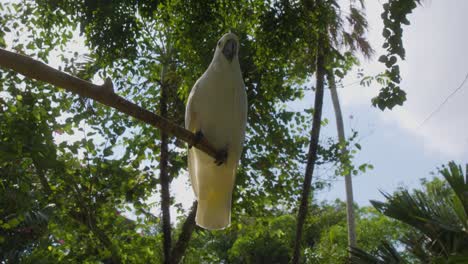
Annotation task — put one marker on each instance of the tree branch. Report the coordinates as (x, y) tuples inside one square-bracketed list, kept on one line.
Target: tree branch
[(104, 94), (187, 229)]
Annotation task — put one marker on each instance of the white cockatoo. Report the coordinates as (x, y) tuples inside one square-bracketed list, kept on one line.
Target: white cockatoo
[(217, 110)]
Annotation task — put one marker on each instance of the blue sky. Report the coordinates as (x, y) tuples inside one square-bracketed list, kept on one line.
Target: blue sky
[(400, 149)]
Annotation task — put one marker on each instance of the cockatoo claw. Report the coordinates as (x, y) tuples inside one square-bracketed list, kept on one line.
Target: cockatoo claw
[(198, 137), (221, 157)]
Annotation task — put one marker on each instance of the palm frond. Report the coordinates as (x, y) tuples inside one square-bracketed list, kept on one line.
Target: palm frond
[(385, 254), (439, 213)]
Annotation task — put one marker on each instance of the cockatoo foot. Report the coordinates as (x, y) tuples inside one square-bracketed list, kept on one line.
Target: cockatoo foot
[(198, 137), (221, 157)]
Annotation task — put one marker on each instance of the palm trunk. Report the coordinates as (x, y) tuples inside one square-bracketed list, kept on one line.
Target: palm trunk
[(348, 181), (466, 173), (312, 155)]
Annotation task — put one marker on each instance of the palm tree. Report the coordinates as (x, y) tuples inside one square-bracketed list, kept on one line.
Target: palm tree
[(438, 214), (353, 41)]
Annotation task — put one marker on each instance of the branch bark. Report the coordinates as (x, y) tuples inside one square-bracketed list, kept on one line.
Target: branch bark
[(311, 156), (344, 152), (104, 94), (182, 242)]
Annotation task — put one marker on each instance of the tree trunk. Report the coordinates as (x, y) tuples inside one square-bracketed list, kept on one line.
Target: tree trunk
[(163, 173), (344, 152), (312, 155)]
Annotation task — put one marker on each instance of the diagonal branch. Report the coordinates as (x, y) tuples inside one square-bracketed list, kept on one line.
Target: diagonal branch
[(104, 94)]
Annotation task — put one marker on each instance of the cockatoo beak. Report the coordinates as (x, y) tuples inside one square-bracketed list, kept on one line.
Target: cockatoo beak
[(230, 49)]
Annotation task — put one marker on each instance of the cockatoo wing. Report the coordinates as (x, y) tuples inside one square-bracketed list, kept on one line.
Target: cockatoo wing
[(192, 125), (191, 170)]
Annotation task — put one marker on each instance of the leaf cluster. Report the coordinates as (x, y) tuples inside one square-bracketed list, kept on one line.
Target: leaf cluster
[(394, 17)]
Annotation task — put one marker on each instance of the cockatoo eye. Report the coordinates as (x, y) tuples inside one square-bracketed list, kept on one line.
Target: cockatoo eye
[(219, 43)]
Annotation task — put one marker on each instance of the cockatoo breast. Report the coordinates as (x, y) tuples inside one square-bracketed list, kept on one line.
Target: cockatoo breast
[(222, 116)]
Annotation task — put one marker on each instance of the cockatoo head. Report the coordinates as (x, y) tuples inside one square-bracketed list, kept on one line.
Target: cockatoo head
[(228, 47)]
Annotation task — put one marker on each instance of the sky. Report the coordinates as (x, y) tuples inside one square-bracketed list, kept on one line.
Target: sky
[(397, 143)]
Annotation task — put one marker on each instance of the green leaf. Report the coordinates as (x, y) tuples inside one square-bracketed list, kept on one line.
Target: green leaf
[(383, 59)]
